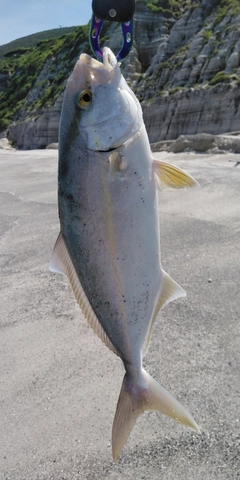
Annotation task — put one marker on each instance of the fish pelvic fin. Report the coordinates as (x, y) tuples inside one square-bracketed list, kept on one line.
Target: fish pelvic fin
[(135, 399), (170, 290), (170, 176), (61, 262)]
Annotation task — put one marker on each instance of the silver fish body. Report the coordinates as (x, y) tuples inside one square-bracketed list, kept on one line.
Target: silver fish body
[(109, 243)]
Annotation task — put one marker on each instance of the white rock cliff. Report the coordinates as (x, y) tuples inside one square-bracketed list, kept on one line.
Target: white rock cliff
[(185, 72)]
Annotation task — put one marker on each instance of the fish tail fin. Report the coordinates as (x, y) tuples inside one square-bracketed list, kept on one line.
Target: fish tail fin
[(135, 399)]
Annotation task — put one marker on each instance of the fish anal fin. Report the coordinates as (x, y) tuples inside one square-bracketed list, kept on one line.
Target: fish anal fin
[(58, 262), (170, 290), (61, 262), (170, 176), (135, 399)]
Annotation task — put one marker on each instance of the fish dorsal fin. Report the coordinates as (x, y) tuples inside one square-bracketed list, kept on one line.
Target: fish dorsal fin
[(170, 176), (170, 290), (61, 262)]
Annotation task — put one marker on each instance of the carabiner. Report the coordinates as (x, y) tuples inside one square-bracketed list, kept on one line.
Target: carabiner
[(114, 10), (94, 38)]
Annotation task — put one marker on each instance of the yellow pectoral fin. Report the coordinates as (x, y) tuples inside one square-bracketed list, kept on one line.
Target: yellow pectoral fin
[(171, 176)]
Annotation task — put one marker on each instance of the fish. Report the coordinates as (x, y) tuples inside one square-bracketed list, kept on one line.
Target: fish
[(109, 240)]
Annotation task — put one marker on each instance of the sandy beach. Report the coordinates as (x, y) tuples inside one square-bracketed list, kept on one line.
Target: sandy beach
[(60, 384)]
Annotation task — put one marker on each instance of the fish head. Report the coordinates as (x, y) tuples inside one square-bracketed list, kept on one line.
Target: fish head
[(108, 113)]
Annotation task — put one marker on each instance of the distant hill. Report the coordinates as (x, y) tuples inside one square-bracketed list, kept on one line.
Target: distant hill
[(32, 40)]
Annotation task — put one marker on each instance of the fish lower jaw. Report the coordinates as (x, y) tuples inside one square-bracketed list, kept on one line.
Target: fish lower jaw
[(101, 149), (106, 143), (107, 150)]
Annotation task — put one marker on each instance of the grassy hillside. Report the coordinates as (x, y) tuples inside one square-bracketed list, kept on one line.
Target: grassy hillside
[(32, 40), (43, 69), (34, 69)]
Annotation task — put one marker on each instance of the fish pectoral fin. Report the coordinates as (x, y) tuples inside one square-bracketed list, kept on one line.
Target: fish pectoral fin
[(170, 176), (61, 262), (170, 290), (135, 399)]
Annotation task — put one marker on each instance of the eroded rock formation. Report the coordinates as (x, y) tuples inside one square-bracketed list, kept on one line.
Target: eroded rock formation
[(186, 73)]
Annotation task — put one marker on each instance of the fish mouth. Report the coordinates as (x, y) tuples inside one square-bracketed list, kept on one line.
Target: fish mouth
[(128, 137), (99, 73), (107, 150), (119, 146)]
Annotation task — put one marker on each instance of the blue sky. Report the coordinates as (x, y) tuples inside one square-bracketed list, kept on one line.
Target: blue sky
[(19, 18)]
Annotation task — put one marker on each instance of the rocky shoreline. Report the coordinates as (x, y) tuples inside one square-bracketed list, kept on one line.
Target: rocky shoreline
[(185, 72), (200, 143)]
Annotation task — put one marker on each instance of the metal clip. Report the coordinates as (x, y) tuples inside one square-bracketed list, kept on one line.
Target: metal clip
[(94, 38)]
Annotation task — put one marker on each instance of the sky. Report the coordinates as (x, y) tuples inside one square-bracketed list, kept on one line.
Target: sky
[(19, 18)]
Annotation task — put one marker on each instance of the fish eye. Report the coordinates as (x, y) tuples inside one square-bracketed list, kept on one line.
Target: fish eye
[(84, 98)]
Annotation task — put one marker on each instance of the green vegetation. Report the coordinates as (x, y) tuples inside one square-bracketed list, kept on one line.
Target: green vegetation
[(207, 34), (160, 93), (168, 8), (175, 90), (220, 77), (31, 40), (165, 66), (174, 62), (176, 8), (24, 65), (225, 8), (34, 69)]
